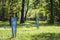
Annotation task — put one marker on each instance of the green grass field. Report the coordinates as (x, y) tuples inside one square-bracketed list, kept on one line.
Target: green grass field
[(28, 31)]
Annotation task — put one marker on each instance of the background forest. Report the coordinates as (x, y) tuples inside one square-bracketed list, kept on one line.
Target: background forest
[(46, 10)]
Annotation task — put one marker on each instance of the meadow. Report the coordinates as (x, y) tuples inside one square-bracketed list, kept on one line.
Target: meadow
[(28, 31)]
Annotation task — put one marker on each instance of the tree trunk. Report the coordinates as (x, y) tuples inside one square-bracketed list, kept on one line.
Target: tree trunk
[(51, 15), (59, 19), (26, 15), (59, 11), (22, 12), (10, 1), (26, 11), (3, 10)]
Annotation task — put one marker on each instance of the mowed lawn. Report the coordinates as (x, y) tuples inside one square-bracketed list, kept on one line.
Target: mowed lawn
[(28, 31)]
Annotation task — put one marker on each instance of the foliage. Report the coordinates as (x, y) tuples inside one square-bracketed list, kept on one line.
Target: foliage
[(35, 7)]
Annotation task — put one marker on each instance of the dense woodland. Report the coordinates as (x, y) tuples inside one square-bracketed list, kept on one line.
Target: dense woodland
[(45, 10)]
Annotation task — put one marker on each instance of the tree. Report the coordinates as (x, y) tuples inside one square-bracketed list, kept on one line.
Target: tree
[(27, 7), (51, 14), (10, 2), (22, 12), (59, 10), (3, 10), (13, 9)]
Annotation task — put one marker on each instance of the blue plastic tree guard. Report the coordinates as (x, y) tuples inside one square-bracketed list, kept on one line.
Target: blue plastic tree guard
[(13, 25)]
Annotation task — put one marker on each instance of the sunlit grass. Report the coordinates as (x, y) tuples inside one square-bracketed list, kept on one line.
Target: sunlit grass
[(28, 31)]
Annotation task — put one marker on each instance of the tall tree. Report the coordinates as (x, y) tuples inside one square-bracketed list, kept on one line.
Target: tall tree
[(27, 7), (51, 14), (22, 12), (10, 2), (59, 11), (13, 8), (3, 9)]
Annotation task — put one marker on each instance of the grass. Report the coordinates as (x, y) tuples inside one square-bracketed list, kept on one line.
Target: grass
[(28, 31)]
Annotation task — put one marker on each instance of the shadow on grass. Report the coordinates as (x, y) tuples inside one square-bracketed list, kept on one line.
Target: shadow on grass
[(9, 38), (4, 24), (40, 24), (29, 24), (45, 24), (41, 36), (26, 25), (48, 36)]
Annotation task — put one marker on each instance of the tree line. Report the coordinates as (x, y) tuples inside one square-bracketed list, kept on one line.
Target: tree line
[(28, 8)]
